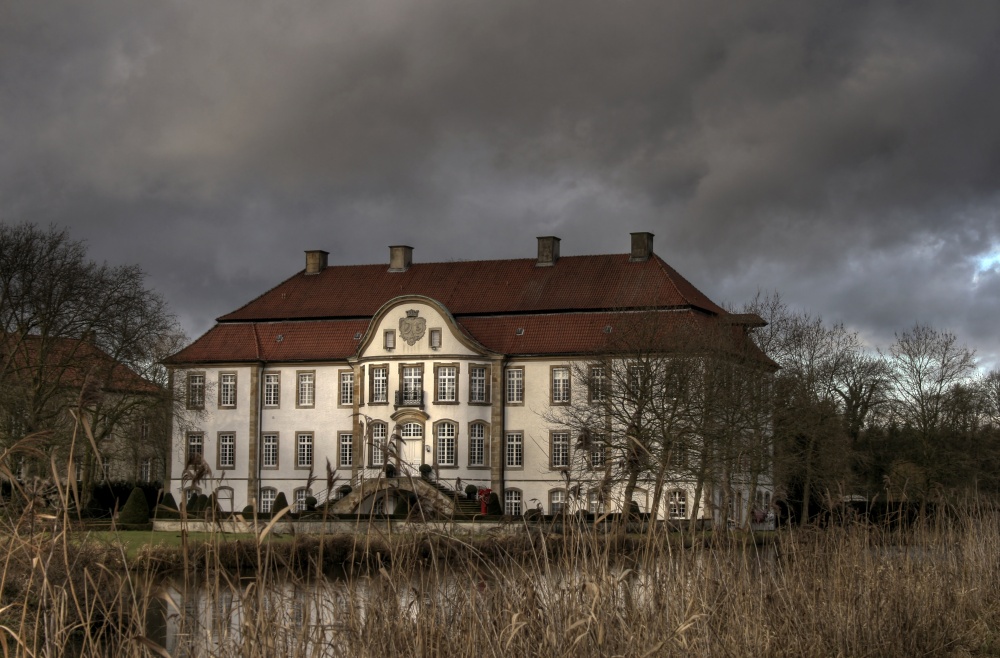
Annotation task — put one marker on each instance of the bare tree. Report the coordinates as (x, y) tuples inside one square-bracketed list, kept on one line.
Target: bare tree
[(75, 334)]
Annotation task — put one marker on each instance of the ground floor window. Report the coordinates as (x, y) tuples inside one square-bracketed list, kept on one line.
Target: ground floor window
[(595, 502), (677, 502), (512, 502), (300, 500), (267, 496), (557, 501)]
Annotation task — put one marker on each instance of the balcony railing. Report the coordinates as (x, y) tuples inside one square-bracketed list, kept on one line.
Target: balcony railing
[(409, 398)]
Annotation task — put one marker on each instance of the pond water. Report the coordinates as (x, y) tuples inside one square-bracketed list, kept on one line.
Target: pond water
[(319, 617)]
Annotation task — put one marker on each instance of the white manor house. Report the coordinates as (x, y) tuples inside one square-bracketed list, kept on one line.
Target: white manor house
[(470, 367)]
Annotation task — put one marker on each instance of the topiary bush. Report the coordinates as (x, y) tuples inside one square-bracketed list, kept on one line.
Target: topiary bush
[(425, 471), (169, 502), (471, 491), (248, 512), (311, 503), (494, 507), (136, 509), (280, 503)]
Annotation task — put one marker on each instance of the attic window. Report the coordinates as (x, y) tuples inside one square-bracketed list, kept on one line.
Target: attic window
[(519, 331), (280, 337), (357, 336), (607, 329)]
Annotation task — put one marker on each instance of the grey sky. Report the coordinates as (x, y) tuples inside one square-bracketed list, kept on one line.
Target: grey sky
[(844, 154)]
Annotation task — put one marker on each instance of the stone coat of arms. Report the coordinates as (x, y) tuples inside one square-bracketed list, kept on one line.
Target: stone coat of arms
[(411, 328)]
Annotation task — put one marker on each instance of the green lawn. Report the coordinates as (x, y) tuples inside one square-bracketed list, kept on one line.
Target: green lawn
[(133, 540)]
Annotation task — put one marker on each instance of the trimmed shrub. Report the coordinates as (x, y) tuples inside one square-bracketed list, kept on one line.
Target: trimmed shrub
[(425, 471), (494, 507), (472, 491), (280, 503), (311, 503), (136, 510), (248, 512), (168, 501), (390, 470), (344, 490)]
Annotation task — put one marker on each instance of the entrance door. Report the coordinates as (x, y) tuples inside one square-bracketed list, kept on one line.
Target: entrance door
[(413, 448)]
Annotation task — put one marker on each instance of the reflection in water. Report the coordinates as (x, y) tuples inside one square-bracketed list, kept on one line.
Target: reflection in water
[(321, 617)]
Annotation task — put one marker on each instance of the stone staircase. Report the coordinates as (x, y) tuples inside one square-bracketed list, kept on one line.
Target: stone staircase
[(464, 508)]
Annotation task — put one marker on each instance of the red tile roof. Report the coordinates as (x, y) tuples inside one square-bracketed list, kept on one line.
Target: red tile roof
[(480, 287), (564, 309), (68, 362)]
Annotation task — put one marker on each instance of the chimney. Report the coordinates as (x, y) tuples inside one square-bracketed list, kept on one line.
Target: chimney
[(642, 247), (548, 251), (316, 261), (400, 258)]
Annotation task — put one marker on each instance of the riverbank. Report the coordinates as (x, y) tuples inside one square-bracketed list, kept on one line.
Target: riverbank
[(858, 590)]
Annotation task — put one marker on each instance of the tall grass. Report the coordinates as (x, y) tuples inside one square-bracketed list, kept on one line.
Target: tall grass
[(858, 590)]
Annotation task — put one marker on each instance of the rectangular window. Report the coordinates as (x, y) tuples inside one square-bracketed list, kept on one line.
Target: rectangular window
[(227, 450), (307, 389), (435, 338), (380, 384), (446, 444), (378, 445), (346, 388), (269, 451), (446, 384), (389, 339), (304, 450), (105, 468), (598, 384), (515, 449), (478, 385), (196, 391), (272, 389), (559, 449), (196, 445), (227, 389), (346, 450), (477, 445), (560, 385), (598, 450), (413, 385), (145, 470), (677, 501), (635, 382), (515, 386)]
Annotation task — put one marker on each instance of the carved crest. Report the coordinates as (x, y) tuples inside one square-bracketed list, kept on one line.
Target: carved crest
[(411, 328)]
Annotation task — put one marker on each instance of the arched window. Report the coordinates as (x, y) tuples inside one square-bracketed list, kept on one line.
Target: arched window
[(677, 504), (595, 501), (477, 444), (512, 502), (376, 455), (412, 431), (224, 499), (557, 501), (300, 499), (445, 451), (267, 496)]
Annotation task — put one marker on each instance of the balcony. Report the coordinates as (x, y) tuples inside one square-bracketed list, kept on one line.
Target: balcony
[(409, 398)]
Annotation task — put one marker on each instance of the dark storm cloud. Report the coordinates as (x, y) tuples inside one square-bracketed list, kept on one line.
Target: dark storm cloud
[(844, 154)]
